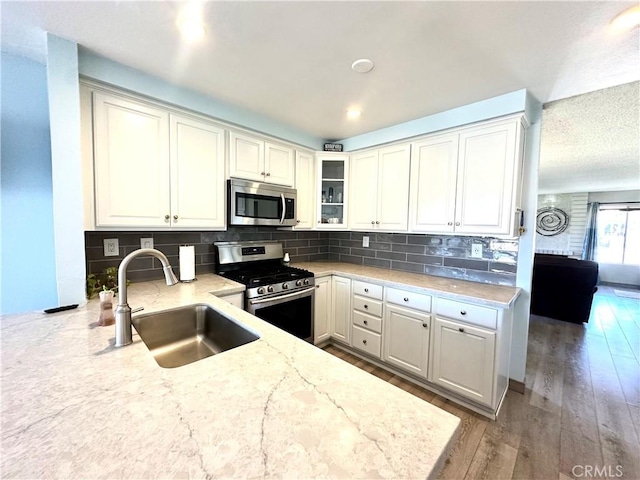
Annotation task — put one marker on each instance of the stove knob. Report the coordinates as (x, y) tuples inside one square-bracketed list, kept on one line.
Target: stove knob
[(285, 286), (306, 281), (269, 289), (298, 283), (261, 290)]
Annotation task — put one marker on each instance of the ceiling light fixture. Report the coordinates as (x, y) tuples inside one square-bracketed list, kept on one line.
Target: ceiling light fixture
[(363, 65), (191, 29), (627, 20), (353, 113)]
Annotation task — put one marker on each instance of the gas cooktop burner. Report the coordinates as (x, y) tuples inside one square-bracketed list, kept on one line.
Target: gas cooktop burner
[(266, 275)]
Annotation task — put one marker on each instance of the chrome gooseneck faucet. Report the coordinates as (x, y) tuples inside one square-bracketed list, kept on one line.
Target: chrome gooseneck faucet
[(123, 311)]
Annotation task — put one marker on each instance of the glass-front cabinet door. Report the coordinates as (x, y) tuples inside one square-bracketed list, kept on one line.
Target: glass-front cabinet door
[(332, 191)]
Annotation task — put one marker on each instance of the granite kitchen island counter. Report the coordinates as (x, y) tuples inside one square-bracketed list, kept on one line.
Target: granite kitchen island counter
[(73, 406)]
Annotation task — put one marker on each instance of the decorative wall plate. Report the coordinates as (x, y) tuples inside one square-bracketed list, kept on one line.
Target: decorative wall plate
[(551, 221)]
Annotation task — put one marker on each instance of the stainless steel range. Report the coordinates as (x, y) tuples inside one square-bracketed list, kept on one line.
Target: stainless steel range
[(278, 294)]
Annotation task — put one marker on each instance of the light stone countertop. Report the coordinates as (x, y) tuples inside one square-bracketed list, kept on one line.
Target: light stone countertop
[(73, 406), (496, 296)]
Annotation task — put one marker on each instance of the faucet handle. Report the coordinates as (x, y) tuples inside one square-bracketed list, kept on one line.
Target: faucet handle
[(136, 310)]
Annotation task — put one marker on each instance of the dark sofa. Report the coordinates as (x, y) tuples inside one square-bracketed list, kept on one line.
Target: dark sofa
[(563, 287)]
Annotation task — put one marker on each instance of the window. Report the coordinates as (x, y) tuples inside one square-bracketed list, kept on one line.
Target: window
[(619, 234)]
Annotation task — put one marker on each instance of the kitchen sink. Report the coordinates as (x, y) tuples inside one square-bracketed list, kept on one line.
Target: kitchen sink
[(183, 335)]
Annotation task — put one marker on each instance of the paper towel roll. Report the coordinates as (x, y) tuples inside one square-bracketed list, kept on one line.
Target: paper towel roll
[(187, 263)]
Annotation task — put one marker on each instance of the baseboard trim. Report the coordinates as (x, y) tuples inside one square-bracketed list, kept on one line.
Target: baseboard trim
[(619, 285), (516, 386)]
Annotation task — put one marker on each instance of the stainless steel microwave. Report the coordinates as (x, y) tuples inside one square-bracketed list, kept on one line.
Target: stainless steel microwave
[(253, 203)]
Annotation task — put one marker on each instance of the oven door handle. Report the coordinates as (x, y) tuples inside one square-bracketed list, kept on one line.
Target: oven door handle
[(282, 297), (284, 208)]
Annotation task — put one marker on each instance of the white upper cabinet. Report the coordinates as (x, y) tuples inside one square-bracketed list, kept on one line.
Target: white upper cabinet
[(332, 191), (155, 169), (197, 174), (364, 189), (246, 157), (254, 159), (131, 156), (393, 188), (487, 161), (279, 164), (467, 181), (434, 166), (305, 186), (379, 191)]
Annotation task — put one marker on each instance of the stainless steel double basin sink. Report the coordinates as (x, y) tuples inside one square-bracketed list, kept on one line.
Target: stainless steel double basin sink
[(183, 335)]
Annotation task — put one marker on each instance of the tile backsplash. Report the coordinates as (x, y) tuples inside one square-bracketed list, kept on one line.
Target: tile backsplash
[(441, 255)]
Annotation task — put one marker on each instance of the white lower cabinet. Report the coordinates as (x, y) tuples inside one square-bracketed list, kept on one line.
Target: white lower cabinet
[(406, 339), (463, 360), (322, 310), (367, 341), (341, 309)]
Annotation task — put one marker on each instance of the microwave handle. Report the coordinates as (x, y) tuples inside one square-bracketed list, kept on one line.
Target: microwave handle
[(284, 208)]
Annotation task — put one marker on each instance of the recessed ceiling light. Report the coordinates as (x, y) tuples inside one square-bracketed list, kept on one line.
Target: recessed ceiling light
[(363, 65), (191, 28), (627, 20), (353, 113)]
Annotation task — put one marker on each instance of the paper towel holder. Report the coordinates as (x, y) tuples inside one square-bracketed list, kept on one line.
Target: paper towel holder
[(187, 263)]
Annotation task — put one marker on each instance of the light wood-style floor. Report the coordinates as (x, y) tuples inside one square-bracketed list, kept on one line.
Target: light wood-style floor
[(580, 414)]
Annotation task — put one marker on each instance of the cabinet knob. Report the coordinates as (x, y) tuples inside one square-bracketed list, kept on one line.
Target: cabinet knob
[(317, 286), (377, 223), (463, 312), (406, 299), (366, 322), (297, 221), (457, 224), (424, 325), (366, 306), (461, 330), (261, 173), (449, 223), (268, 174), (372, 222), (167, 217), (364, 341), (318, 221), (175, 217), (366, 290)]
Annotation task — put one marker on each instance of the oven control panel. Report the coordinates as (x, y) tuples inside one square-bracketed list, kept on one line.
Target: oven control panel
[(281, 288)]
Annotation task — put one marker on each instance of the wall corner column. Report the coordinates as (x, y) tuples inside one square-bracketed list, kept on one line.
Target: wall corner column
[(64, 114)]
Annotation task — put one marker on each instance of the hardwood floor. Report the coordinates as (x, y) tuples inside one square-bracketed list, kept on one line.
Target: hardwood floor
[(580, 414)]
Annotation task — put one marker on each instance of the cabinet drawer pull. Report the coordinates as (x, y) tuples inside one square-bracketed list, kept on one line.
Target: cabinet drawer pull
[(261, 173), (167, 217), (424, 325), (406, 299), (366, 306), (366, 322), (449, 223), (372, 222), (297, 221), (461, 330), (364, 341), (457, 224), (175, 217), (268, 174), (463, 312), (366, 290), (317, 286)]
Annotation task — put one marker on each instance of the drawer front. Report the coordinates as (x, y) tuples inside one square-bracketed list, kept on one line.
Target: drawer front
[(367, 290), (366, 305), (416, 301), (466, 312), (366, 341), (367, 321)]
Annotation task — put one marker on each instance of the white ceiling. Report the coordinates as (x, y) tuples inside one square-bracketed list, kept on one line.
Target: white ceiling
[(291, 60), (591, 142)]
